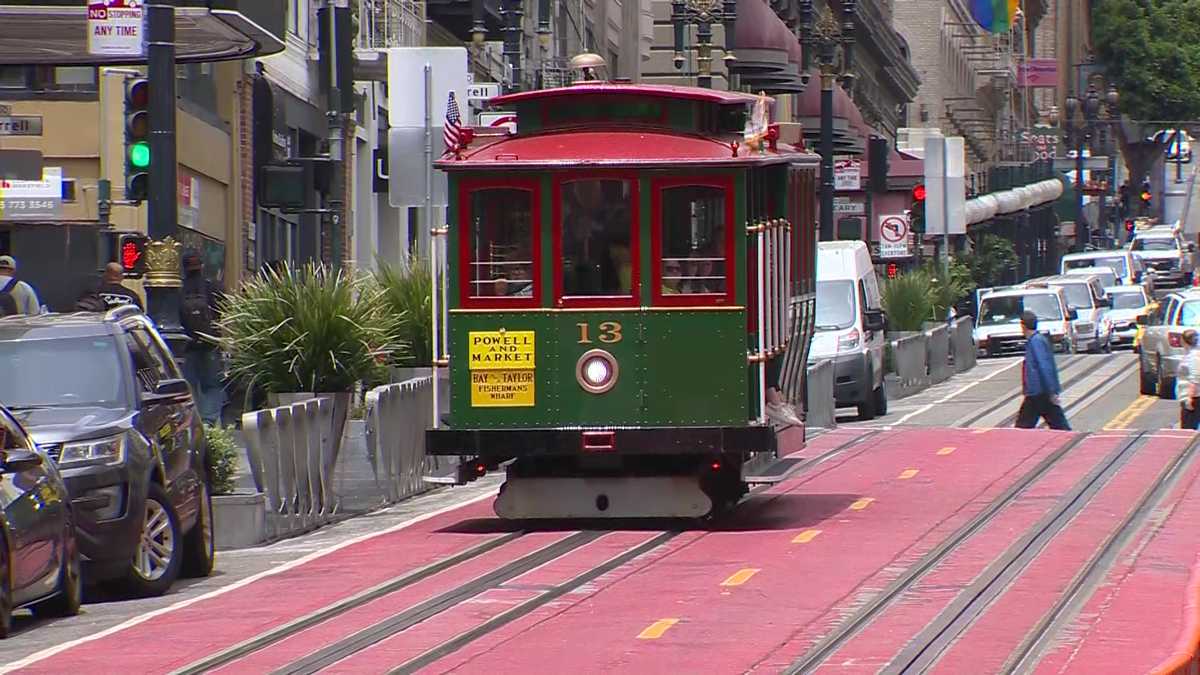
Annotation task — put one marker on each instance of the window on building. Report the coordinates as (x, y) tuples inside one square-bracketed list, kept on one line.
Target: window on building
[(692, 239), (596, 234), (197, 84), (48, 79), (501, 244), (295, 18)]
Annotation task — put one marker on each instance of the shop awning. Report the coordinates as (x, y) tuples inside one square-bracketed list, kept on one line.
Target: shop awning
[(1017, 199), (54, 32), (768, 53), (848, 137)]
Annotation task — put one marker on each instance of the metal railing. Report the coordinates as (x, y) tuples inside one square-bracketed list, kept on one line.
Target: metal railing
[(390, 23)]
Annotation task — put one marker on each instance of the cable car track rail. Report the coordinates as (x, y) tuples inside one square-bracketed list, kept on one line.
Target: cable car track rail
[(345, 605), (864, 615)]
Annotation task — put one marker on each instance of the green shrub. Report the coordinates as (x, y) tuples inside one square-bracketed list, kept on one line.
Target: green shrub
[(307, 330), (908, 300), (221, 456), (407, 293)]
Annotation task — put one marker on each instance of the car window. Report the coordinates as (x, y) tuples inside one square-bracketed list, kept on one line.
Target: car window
[(996, 311), (1128, 300), (835, 304), (1078, 295), (161, 352), (11, 435), (1189, 314), (61, 372), (147, 365), (1154, 244)]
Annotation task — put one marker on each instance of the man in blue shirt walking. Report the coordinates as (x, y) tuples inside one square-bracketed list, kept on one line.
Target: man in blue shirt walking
[(1040, 380)]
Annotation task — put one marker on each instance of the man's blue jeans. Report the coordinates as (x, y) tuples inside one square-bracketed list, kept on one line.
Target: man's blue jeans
[(202, 368)]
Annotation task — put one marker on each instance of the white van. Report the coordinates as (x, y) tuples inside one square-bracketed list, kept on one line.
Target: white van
[(1123, 263), (850, 325)]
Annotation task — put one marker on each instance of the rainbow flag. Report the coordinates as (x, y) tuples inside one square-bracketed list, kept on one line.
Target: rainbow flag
[(995, 16)]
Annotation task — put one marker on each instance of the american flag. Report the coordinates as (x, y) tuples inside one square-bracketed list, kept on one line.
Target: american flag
[(453, 130)]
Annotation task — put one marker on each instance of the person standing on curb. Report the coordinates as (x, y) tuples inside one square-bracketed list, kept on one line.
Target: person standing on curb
[(1039, 376), (1187, 382), (202, 360)]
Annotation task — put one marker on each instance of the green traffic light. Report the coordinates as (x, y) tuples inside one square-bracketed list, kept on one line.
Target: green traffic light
[(139, 155)]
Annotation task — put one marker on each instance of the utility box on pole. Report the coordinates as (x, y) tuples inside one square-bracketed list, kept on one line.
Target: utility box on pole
[(945, 185)]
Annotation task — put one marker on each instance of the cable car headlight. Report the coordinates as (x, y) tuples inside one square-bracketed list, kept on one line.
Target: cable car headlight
[(596, 371)]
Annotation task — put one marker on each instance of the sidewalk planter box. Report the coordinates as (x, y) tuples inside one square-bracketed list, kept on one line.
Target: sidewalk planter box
[(239, 520)]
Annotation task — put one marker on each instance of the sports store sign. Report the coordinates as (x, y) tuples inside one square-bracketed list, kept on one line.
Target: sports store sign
[(116, 28)]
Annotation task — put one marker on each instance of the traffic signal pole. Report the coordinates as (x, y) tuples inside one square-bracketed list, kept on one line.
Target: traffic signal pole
[(164, 269)]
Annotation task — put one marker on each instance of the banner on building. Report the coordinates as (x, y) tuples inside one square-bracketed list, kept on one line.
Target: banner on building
[(1038, 73), (32, 199), (116, 28)]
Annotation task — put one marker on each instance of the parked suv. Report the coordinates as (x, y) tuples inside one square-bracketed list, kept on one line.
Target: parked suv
[(102, 396), (1091, 329), (1124, 264), (1166, 255), (1162, 341)]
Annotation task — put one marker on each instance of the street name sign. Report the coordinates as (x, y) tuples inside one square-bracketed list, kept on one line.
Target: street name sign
[(482, 91), (20, 125), (116, 28)]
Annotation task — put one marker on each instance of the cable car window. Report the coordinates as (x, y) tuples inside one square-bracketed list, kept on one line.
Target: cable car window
[(597, 230), (501, 243), (693, 240)]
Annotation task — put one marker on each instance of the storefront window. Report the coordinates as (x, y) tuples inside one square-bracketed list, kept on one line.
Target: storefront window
[(693, 240), (500, 241), (597, 231)]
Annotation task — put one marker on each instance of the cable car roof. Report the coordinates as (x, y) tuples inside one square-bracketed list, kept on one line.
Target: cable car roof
[(611, 148), (617, 88)]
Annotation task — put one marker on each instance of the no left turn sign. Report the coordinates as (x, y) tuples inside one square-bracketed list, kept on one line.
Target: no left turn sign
[(893, 229)]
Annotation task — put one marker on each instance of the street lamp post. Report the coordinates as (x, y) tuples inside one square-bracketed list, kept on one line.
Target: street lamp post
[(1079, 123), (703, 13), (825, 35)]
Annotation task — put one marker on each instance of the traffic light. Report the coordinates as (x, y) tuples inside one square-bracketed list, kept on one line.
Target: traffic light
[(137, 139), (916, 216), (892, 270), (131, 253), (1129, 226)]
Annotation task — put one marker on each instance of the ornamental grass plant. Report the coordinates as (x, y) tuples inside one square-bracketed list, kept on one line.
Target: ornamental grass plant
[(908, 300), (407, 292), (308, 329)]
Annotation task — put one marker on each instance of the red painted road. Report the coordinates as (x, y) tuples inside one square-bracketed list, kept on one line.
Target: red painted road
[(758, 589)]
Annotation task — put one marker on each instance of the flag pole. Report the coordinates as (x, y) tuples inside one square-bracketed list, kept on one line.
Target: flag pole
[(428, 220)]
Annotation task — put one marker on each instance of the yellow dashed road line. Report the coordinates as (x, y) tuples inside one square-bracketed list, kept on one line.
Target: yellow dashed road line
[(861, 504), (739, 577), (1126, 417), (805, 536), (656, 629)]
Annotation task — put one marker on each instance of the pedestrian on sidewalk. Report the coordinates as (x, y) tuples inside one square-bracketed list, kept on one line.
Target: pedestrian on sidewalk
[(202, 360), (1187, 382), (16, 296), (1039, 378), (113, 292)]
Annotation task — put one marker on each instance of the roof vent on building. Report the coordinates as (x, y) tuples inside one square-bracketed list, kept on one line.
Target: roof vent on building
[(588, 68)]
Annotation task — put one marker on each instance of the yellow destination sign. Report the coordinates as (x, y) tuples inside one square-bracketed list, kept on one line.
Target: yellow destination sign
[(502, 388), (501, 350)]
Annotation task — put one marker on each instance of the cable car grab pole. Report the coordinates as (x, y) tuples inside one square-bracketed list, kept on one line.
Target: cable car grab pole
[(433, 247)]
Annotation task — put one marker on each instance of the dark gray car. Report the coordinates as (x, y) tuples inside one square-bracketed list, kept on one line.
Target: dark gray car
[(102, 396), (39, 558)]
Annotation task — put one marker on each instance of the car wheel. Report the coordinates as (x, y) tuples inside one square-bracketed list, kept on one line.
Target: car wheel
[(1146, 384), (6, 605), (199, 548), (156, 561), (70, 585), (881, 402)]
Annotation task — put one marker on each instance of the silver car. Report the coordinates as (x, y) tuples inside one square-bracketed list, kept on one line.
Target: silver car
[(1129, 303), (1162, 341), (1085, 295)]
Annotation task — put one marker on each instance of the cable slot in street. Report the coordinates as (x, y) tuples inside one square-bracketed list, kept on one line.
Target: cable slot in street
[(865, 614), (927, 647)]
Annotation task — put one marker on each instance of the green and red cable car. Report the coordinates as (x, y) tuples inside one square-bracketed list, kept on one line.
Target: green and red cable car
[(629, 286)]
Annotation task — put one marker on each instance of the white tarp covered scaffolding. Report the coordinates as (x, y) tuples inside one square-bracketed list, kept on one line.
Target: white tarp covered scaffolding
[(1017, 199)]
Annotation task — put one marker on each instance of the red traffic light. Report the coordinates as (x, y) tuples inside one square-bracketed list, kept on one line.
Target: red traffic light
[(1129, 224), (131, 253), (892, 270), (918, 193), (137, 94)]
